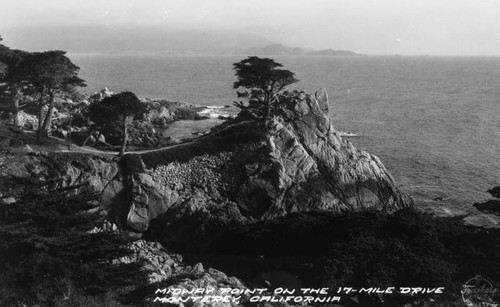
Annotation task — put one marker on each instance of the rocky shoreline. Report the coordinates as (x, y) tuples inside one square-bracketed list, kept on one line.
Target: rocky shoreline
[(239, 173), (157, 128), (208, 193)]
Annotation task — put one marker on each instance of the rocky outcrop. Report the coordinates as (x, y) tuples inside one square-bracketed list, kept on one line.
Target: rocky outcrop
[(240, 172), (318, 170), (491, 206), (185, 195), (162, 265), (245, 172), (21, 173), (162, 112), (98, 96)]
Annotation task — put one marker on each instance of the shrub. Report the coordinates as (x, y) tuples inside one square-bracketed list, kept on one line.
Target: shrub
[(48, 256), (360, 249), (222, 140)]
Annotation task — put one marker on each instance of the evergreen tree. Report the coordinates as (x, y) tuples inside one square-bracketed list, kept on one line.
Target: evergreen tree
[(123, 106), (12, 78), (98, 117), (264, 80), (51, 74), (49, 257)]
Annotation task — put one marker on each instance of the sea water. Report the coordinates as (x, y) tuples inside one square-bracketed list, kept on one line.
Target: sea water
[(433, 121)]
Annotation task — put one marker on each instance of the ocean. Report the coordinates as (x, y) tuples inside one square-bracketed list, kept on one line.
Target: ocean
[(433, 121)]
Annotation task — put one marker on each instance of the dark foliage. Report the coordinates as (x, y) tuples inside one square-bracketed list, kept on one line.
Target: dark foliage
[(48, 257), (361, 249), (50, 74), (121, 107), (264, 80), (261, 73), (12, 79), (223, 140), (101, 113), (124, 104)]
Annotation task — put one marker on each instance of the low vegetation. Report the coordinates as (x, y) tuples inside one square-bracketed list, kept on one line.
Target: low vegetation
[(361, 249), (222, 140), (50, 257)]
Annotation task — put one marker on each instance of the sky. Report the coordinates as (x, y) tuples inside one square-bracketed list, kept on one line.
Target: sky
[(433, 27)]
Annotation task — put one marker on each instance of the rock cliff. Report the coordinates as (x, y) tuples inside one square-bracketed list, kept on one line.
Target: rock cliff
[(245, 172), (21, 173), (186, 195), (239, 172)]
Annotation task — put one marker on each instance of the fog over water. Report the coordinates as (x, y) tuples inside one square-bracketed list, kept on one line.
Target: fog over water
[(445, 27)]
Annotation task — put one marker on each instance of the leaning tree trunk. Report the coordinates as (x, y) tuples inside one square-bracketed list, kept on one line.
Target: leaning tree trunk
[(267, 108), (14, 92), (87, 138), (125, 137), (40, 118), (48, 117)]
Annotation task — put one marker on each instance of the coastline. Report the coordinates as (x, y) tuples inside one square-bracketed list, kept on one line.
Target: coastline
[(190, 225), (180, 130)]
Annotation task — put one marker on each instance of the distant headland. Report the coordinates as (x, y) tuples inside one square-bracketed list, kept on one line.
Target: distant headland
[(279, 49), (153, 41)]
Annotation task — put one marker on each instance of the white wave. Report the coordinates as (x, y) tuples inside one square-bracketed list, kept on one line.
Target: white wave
[(214, 112)]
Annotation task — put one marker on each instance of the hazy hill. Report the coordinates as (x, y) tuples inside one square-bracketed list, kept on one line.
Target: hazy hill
[(114, 40), (330, 52), (275, 49), (127, 40), (278, 49)]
